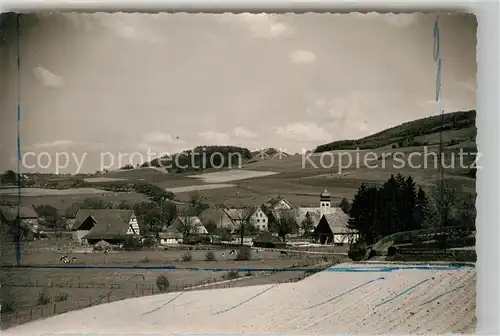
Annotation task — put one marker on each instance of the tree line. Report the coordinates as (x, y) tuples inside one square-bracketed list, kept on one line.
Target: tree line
[(400, 205)]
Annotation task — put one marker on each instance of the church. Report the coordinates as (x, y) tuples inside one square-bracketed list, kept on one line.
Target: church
[(332, 226)]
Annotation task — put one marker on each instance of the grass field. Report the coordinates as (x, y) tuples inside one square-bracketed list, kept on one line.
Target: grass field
[(82, 287), (383, 299)]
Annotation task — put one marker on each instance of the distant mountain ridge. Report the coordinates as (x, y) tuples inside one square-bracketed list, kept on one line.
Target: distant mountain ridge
[(413, 133), (408, 134)]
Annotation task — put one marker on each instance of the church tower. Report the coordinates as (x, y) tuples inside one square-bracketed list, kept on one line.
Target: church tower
[(325, 202)]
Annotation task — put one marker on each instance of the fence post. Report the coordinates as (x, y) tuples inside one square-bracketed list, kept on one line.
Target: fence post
[(109, 295), (90, 300), (54, 309), (31, 314)]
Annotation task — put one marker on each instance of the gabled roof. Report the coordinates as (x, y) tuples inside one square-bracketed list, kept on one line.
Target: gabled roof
[(25, 212), (272, 202), (212, 214), (325, 194), (194, 220), (238, 214), (337, 222), (110, 223)]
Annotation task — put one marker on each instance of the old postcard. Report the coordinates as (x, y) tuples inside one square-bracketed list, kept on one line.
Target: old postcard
[(238, 173)]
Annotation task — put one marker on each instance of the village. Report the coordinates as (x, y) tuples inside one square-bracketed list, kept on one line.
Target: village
[(267, 226)]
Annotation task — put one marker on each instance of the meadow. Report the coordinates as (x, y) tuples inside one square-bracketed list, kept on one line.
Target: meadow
[(347, 299)]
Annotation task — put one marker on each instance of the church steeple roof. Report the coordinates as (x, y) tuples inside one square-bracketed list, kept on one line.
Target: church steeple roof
[(325, 194)]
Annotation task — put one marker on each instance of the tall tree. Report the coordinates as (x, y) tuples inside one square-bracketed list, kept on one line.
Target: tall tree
[(345, 205), (421, 208), (284, 224)]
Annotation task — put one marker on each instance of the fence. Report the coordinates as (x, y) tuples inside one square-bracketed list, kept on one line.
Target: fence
[(54, 308)]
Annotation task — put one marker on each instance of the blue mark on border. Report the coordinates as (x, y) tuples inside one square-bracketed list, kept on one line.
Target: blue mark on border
[(346, 292), (375, 269), (436, 51), (18, 59), (245, 301), (402, 293)]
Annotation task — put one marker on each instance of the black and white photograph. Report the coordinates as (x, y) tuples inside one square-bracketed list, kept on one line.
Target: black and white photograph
[(238, 173)]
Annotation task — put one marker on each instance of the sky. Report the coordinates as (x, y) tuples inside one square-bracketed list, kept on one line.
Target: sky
[(92, 84)]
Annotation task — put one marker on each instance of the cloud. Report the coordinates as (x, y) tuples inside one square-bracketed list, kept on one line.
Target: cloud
[(398, 20), (128, 26), (160, 138), (302, 56), (215, 138), (260, 25), (158, 142), (306, 131), (47, 78), (243, 133), (54, 144), (125, 25)]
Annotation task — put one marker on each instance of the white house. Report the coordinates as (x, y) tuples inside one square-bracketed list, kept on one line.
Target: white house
[(260, 219)]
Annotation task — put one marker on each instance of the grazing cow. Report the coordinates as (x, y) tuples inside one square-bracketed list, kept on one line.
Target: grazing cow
[(73, 260), (283, 252), (64, 259), (223, 255), (232, 252), (106, 251)]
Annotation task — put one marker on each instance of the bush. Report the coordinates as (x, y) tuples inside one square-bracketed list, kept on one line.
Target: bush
[(162, 283), (244, 253), (149, 242), (187, 256), (391, 251), (44, 298), (61, 296), (233, 275), (132, 244), (145, 260), (357, 251), (210, 256)]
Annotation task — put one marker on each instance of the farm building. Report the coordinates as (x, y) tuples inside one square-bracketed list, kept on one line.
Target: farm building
[(169, 238), (27, 214), (187, 224), (237, 216), (260, 220), (218, 217), (278, 203), (110, 225), (332, 229)]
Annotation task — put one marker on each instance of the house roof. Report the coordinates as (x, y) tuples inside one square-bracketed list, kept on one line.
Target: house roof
[(171, 235), (103, 215), (110, 223), (272, 202), (325, 194), (25, 212), (212, 215), (337, 222), (176, 225)]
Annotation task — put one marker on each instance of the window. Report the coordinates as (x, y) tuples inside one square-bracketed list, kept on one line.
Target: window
[(258, 220)]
